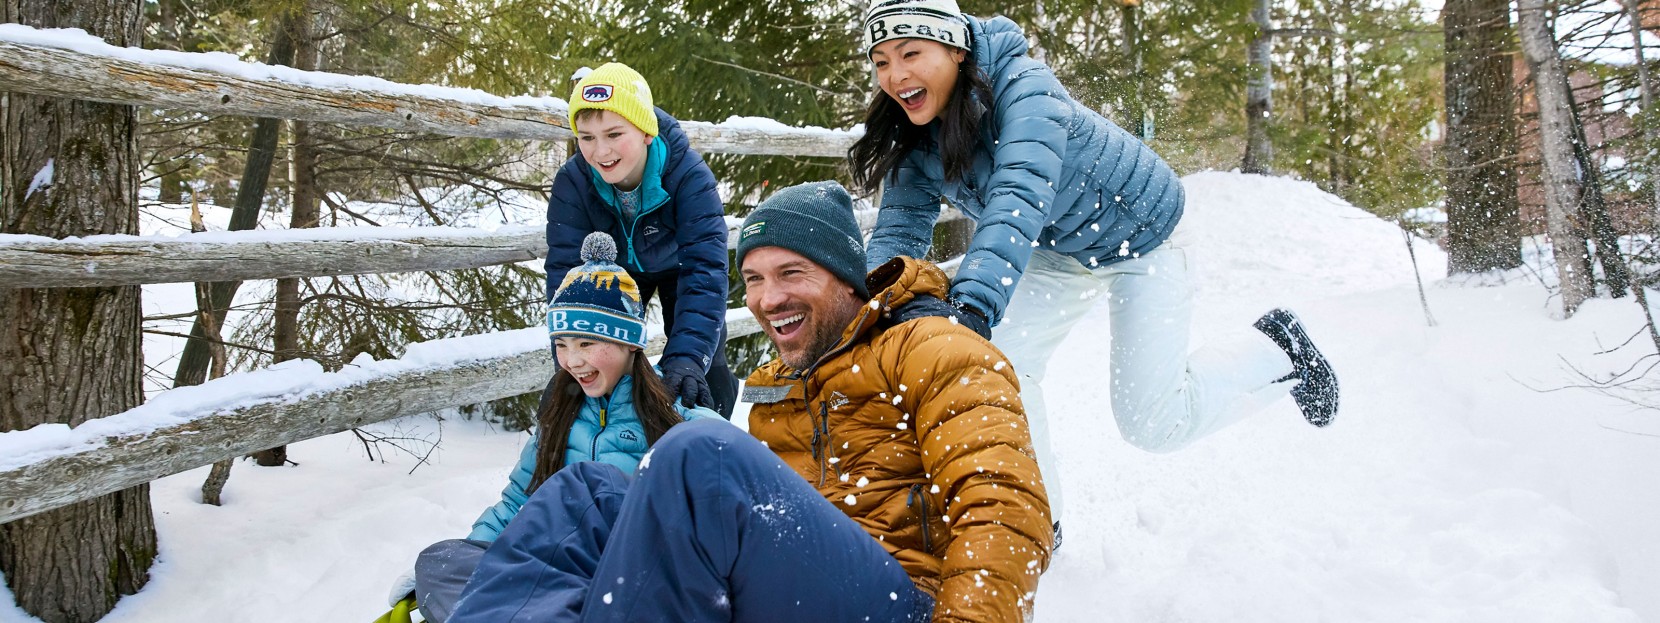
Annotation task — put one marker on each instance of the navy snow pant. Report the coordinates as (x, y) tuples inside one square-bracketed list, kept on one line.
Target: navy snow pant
[(441, 571), (713, 527)]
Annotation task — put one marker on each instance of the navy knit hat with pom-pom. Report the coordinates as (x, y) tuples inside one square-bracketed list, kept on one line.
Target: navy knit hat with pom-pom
[(598, 299)]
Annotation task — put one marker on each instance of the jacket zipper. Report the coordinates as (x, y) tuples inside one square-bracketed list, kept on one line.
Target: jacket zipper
[(821, 429), (634, 258), (593, 452), (917, 494), (821, 432)]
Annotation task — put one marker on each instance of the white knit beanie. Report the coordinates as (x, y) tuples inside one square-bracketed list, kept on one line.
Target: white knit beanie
[(939, 20)]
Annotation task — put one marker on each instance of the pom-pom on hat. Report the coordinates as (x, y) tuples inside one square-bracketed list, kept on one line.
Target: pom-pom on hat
[(598, 299), (618, 88), (939, 20)]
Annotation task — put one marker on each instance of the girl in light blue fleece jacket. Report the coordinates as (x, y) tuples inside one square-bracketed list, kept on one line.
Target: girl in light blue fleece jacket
[(607, 404), (1068, 207)]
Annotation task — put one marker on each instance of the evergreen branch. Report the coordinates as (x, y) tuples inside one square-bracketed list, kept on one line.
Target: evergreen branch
[(768, 74)]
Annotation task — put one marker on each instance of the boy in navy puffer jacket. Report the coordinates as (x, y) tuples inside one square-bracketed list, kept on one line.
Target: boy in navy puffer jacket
[(636, 178)]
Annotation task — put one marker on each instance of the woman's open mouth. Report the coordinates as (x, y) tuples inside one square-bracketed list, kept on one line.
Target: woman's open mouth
[(913, 98)]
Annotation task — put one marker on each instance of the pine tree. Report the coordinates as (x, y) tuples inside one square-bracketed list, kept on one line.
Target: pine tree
[(72, 354)]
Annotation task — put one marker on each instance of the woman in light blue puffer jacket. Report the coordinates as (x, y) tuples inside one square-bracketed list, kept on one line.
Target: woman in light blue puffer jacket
[(1068, 207)]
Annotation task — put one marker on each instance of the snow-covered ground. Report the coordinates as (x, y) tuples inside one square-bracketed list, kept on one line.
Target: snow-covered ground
[(1449, 489)]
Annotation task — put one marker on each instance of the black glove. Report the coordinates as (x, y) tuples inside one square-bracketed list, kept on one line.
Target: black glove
[(923, 306), (970, 316), (685, 379)]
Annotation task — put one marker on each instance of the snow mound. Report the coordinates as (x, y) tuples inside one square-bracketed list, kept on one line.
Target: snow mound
[(1256, 241)]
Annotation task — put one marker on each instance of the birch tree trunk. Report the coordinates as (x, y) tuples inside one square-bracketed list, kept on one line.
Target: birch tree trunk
[(1259, 93), (1634, 16), (1556, 134), (70, 168), (1645, 82), (1483, 210)]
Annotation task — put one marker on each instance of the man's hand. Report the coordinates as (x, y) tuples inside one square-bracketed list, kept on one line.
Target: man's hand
[(685, 379), (924, 306)]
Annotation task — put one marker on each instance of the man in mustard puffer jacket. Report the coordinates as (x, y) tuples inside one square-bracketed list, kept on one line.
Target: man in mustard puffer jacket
[(913, 430), (890, 476)]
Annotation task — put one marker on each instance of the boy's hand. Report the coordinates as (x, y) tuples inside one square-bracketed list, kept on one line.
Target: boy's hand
[(685, 378)]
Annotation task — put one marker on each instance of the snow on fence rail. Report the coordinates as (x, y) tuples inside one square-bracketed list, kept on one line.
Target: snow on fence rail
[(113, 260), (101, 261), (72, 64), (52, 465)]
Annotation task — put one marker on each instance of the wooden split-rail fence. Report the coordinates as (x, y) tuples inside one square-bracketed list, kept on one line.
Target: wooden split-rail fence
[(190, 82)]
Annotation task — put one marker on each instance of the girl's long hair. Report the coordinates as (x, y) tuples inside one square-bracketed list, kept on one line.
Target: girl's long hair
[(890, 135), (653, 404)]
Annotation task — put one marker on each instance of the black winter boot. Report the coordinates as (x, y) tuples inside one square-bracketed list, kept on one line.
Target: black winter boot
[(1316, 394)]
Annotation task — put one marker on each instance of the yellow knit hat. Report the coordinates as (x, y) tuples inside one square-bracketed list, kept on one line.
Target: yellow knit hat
[(618, 88)]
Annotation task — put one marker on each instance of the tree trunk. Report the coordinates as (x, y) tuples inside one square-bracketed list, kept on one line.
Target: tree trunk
[(1137, 118), (1337, 82), (167, 22), (1556, 146), (70, 168), (215, 483), (1594, 209), (302, 171), (167, 38), (951, 240), (1041, 17), (1645, 82), (250, 196), (1483, 211), (172, 187), (1259, 93)]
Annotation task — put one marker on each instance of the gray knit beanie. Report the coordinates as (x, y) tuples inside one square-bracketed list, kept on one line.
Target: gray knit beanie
[(814, 219)]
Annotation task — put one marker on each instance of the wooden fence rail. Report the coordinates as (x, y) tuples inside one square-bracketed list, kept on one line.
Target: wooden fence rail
[(36, 262), (217, 434), (71, 64), (74, 65), (33, 262)]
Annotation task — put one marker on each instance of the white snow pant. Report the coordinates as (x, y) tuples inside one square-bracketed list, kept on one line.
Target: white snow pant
[(1163, 398)]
